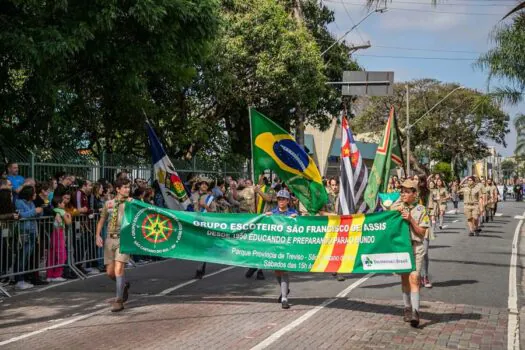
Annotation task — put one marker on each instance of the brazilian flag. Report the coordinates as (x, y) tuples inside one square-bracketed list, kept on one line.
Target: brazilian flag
[(274, 149)]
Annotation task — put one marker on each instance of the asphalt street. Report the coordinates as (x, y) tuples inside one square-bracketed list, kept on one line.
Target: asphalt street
[(168, 309)]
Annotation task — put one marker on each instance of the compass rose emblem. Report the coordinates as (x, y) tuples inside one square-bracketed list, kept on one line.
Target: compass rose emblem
[(157, 228)]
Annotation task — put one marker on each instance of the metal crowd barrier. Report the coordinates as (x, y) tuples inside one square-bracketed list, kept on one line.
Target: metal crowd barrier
[(35, 246)]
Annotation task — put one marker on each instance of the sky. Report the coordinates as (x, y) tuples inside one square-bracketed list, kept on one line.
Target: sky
[(418, 40)]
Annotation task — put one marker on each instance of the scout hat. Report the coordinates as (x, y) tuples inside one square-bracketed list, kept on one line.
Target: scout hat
[(410, 184)]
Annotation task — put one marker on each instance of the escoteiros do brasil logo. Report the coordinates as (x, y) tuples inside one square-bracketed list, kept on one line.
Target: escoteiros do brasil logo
[(155, 232), (386, 261)]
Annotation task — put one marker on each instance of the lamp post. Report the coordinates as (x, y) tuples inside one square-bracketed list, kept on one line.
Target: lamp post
[(409, 126)]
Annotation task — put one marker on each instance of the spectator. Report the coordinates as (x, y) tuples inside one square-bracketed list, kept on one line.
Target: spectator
[(246, 196), (5, 184), (7, 213), (98, 197), (82, 201), (42, 199), (12, 174), (148, 196), (139, 193), (64, 184), (124, 174), (158, 198), (28, 228), (57, 249)]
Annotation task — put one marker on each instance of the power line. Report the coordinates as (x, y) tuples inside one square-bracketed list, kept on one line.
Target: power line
[(420, 10), (420, 57), (421, 49), (353, 23), (455, 4)]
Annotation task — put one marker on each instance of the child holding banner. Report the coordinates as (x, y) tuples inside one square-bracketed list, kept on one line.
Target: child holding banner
[(283, 208), (114, 260), (417, 217)]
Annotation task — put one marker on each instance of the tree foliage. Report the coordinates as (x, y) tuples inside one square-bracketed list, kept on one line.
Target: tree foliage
[(456, 129), (82, 73), (508, 168), (78, 73)]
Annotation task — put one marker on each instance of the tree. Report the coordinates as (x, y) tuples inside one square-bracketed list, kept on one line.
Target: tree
[(508, 168), (455, 130), (266, 59), (506, 59), (79, 73)]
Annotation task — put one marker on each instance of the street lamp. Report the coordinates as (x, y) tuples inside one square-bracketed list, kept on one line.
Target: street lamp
[(382, 10), (409, 126)]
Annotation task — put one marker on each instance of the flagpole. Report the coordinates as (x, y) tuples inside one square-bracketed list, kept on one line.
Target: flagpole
[(251, 143)]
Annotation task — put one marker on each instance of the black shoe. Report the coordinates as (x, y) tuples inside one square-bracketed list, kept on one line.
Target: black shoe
[(281, 297), (199, 274), (38, 282), (440, 227), (414, 321), (250, 273), (471, 234), (341, 278), (285, 305), (476, 233), (125, 294), (260, 275), (407, 314)]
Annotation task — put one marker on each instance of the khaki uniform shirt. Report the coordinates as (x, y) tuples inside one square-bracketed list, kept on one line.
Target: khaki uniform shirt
[(433, 196), (108, 212), (246, 198), (471, 195), (269, 205), (490, 190), (419, 214), (442, 194)]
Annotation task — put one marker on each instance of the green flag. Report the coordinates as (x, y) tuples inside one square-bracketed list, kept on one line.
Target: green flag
[(388, 151), (273, 148)]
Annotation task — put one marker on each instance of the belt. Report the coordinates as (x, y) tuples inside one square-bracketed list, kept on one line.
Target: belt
[(114, 236)]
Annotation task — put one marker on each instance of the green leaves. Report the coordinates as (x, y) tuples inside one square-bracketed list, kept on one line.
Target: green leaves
[(456, 129)]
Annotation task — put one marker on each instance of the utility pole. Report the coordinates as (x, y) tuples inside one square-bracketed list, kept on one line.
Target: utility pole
[(408, 133)]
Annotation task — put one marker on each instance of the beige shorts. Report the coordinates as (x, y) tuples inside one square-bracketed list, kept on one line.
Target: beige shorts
[(112, 251), (443, 207), (419, 255), (471, 212)]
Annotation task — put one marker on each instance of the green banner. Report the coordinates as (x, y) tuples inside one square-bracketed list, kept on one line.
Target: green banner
[(378, 242)]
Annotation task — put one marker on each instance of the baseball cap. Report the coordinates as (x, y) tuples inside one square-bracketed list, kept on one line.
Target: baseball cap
[(410, 184), (283, 194)]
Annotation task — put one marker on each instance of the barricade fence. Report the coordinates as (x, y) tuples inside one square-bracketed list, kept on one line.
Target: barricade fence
[(106, 166), (40, 248)]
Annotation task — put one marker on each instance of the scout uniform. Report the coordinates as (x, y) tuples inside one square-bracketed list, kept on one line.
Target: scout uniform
[(432, 201), (471, 197), (114, 212), (442, 194), (246, 198), (419, 213)]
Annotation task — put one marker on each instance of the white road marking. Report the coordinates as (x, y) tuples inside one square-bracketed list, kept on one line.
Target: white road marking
[(178, 286), (498, 214), (455, 221), (453, 211), (58, 325), (105, 309), (513, 328), (444, 226), (519, 217), (275, 336)]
